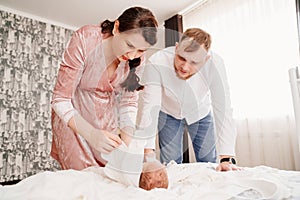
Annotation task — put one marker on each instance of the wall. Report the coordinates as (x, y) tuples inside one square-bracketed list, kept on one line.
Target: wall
[(30, 55)]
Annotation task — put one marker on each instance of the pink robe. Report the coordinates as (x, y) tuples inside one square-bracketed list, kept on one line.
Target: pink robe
[(83, 87)]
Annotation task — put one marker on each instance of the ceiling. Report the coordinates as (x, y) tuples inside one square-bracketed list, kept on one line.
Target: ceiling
[(75, 13)]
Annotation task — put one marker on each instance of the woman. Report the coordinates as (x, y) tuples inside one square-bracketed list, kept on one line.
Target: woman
[(96, 89)]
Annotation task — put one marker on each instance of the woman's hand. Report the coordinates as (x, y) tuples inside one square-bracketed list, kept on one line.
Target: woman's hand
[(126, 134), (103, 141)]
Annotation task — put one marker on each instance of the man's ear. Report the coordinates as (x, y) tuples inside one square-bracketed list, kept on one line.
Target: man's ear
[(176, 46), (207, 58), (116, 27)]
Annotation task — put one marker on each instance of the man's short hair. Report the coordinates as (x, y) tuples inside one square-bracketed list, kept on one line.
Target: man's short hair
[(196, 37)]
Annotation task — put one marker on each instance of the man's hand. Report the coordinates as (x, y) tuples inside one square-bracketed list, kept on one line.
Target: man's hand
[(149, 155), (227, 163), (227, 166)]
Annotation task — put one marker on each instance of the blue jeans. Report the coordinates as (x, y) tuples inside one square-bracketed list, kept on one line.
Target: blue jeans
[(170, 134)]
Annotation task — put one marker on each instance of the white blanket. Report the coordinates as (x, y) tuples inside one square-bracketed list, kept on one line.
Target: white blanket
[(187, 181)]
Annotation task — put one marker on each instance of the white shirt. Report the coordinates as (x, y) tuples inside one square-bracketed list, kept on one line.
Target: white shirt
[(190, 99)]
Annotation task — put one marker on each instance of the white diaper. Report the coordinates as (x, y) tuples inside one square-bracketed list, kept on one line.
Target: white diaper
[(125, 164)]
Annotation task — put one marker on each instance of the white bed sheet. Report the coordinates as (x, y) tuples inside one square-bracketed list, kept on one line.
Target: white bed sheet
[(187, 181)]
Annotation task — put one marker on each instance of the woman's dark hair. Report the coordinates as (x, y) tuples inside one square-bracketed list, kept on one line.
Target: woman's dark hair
[(136, 19), (132, 81)]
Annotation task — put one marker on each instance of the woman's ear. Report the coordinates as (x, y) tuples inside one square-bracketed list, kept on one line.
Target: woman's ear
[(116, 27)]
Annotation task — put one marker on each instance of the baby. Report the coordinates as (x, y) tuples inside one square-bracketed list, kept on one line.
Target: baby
[(126, 165), (154, 175)]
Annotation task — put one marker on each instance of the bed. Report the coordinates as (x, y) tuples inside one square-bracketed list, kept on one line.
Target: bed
[(187, 181)]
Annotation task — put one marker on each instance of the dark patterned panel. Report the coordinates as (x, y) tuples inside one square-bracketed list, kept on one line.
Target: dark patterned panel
[(30, 54)]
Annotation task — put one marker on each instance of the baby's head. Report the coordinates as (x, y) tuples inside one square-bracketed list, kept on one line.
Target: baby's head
[(154, 175)]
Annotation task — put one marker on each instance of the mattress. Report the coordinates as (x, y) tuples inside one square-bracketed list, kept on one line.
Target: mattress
[(187, 181)]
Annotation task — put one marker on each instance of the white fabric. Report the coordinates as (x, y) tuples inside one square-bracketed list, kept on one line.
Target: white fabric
[(191, 99), (225, 185), (125, 164), (64, 109), (259, 140), (149, 138), (187, 181)]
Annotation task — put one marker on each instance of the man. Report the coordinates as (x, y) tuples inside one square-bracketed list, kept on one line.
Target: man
[(186, 86)]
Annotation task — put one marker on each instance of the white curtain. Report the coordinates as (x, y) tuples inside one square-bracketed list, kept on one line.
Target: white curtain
[(295, 89), (258, 42)]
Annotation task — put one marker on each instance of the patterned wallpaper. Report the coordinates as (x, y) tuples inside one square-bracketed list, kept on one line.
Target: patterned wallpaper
[(30, 53)]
